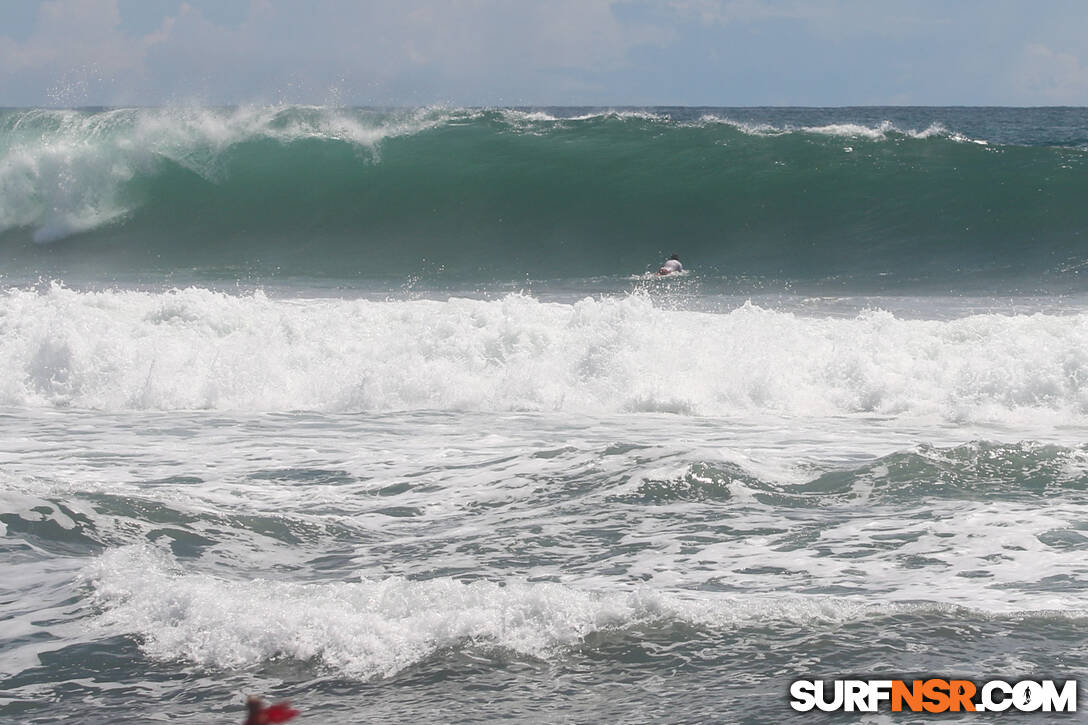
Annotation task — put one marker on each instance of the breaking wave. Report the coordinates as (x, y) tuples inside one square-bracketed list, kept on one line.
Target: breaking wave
[(200, 349), (486, 193)]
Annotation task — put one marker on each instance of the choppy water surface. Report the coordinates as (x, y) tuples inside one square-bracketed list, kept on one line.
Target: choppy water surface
[(466, 566), (467, 494)]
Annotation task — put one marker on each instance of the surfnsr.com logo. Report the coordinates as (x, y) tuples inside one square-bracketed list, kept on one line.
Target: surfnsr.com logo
[(933, 695)]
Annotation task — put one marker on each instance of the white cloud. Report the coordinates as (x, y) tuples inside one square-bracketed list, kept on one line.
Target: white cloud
[(1044, 76), (724, 12), (561, 51), (75, 53), (300, 51), (78, 31)]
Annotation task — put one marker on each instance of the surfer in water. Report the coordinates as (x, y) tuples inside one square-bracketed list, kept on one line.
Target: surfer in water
[(671, 266)]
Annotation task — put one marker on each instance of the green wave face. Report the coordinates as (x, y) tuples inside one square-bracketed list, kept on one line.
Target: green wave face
[(502, 194)]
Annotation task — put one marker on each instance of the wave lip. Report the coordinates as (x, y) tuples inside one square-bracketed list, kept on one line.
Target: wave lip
[(64, 172)]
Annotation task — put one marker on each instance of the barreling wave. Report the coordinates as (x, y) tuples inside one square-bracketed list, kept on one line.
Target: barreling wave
[(196, 349), (504, 193)]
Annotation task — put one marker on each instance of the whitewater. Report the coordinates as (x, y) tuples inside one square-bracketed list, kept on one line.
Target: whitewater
[(196, 349), (383, 411)]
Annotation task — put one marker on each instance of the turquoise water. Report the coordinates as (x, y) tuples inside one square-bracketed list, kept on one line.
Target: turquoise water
[(379, 411), (882, 198)]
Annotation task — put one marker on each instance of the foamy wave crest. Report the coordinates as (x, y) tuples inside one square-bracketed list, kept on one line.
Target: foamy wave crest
[(373, 628), (537, 120), (63, 171), (881, 131), (199, 349), (518, 116)]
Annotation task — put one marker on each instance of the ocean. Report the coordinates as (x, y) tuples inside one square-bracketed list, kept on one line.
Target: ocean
[(384, 412)]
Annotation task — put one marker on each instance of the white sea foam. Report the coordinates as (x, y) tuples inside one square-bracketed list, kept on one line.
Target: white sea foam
[(198, 349), (368, 627), (522, 119), (519, 117), (878, 132)]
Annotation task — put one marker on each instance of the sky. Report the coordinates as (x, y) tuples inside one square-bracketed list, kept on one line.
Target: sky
[(544, 52)]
